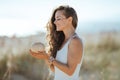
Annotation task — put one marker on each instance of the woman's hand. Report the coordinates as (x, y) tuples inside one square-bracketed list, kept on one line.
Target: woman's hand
[(39, 54), (49, 62)]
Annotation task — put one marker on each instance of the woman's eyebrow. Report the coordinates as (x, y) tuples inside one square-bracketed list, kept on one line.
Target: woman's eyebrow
[(57, 16)]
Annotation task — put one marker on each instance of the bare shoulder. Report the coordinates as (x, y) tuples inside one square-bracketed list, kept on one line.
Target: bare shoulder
[(76, 45), (75, 49), (76, 41)]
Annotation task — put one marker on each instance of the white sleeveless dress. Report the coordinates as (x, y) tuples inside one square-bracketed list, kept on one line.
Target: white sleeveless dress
[(62, 57)]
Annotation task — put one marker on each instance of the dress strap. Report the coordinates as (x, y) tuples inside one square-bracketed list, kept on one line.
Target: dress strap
[(73, 36)]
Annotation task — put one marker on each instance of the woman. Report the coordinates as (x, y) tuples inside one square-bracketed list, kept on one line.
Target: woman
[(66, 48)]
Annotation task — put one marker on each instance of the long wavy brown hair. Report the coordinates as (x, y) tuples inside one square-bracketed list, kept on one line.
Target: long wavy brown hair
[(56, 38)]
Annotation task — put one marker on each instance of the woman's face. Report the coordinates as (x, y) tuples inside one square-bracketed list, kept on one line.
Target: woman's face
[(61, 21)]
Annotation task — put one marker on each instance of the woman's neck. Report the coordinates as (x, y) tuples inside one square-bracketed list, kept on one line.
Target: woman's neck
[(69, 32)]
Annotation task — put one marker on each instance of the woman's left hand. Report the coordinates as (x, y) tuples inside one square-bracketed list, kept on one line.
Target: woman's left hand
[(39, 54)]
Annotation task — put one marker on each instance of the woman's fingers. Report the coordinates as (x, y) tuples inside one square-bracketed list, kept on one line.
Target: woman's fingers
[(42, 52), (32, 51), (39, 54)]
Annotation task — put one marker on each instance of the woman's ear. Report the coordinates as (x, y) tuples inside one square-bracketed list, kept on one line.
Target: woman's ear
[(70, 19)]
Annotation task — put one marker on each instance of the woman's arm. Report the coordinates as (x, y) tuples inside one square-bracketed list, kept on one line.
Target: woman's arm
[(51, 66), (74, 57)]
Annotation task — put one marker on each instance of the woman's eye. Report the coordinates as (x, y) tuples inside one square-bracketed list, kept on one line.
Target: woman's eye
[(58, 19)]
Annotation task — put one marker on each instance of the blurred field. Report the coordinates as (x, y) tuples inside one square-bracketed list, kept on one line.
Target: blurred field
[(101, 60)]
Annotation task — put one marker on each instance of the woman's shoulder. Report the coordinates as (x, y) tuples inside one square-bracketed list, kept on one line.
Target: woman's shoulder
[(76, 40)]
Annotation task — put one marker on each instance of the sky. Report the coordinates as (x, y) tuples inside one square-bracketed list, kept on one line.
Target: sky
[(26, 17)]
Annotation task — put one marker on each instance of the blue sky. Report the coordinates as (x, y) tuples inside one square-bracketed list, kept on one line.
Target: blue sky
[(25, 17)]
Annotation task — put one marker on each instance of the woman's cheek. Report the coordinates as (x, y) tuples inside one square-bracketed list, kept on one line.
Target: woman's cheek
[(59, 28)]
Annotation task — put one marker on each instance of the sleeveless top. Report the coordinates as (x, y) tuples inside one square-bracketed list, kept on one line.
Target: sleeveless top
[(62, 57)]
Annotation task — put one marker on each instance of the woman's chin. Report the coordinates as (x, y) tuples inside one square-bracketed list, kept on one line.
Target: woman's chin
[(59, 30)]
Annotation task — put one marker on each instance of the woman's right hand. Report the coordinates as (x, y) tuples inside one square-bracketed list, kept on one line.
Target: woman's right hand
[(39, 54)]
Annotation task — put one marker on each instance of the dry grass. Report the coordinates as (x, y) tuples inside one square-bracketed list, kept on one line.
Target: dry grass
[(101, 61), (103, 58), (26, 66)]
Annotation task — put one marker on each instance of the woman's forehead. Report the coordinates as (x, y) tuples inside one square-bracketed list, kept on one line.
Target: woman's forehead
[(59, 14)]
